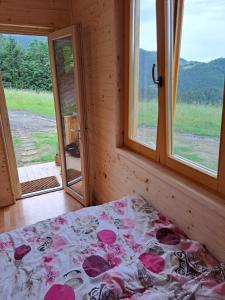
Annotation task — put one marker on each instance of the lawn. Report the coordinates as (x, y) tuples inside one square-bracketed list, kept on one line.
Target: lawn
[(41, 103), (47, 145), (203, 120), (196, 130), (193, 120)]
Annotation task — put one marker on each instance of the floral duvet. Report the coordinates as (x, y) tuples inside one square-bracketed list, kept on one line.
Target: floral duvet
[(121, 250)]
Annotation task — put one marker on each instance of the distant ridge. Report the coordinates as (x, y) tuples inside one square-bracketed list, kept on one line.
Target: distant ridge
[(198, 82), (25, 40)]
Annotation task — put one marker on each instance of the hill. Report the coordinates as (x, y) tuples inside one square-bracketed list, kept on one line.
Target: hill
[(25, 40), (198, 82)]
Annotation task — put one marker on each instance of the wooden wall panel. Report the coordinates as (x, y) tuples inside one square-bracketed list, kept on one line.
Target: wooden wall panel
[(46, 14), (116, 172)]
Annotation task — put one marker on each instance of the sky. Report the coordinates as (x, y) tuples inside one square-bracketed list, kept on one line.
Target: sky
[(203, 35)]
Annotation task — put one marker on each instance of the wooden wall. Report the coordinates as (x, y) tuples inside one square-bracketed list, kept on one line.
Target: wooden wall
[(42, 14), (118, 172)]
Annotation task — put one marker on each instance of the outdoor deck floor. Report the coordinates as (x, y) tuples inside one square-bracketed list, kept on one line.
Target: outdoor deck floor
[(38, 171)]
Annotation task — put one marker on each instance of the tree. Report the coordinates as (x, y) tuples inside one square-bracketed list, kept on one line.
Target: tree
[(37, 67), (11, 62)]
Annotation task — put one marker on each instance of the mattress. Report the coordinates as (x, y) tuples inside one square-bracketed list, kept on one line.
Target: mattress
[(124, 249)]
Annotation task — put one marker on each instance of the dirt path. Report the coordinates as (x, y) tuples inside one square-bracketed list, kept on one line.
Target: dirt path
[(199, 149), (23, 125)]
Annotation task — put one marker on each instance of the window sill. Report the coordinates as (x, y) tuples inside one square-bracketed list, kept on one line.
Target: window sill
[(186, 186)]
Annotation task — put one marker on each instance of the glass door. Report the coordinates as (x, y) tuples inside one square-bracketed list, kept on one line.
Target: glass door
[(66, 62)]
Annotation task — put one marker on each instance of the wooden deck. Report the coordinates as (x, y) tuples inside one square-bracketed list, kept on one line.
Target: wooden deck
[(38, 171)]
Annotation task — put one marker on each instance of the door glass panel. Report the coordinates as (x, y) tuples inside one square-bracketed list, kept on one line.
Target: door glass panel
[(198, 109), (65, 65), (144, 93)]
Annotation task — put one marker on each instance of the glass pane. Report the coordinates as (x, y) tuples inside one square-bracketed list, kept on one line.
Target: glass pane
[(69, 113), (197, 123), (144, 93)]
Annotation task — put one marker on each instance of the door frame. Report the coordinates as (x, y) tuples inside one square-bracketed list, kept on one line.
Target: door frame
[(8, 144), (75, 32)]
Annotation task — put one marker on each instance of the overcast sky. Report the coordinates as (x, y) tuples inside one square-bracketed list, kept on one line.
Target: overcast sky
[(203, 37)]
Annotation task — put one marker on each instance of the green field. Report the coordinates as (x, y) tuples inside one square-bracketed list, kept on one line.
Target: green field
[(41, 103), (194, 119), (196, 130), (202, 120), (191, 120)]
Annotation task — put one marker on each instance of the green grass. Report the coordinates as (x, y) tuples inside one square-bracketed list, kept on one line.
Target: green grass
[(203, 120), (199, 120), (47, 145), (188, 153), (41, 103), (16, 140), (190, 119), (193, 120)]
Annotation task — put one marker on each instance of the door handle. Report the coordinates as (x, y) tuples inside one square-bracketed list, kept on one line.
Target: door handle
[(158, 81)]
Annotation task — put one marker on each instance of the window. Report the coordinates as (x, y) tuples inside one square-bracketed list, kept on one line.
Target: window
[(178, 121), (199, 86), (143, 114)]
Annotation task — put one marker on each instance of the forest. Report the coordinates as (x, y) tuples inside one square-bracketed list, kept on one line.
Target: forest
[(25, 67)]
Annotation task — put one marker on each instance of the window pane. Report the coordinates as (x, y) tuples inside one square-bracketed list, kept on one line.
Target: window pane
[(197, 121), (65, 64), (144, 98)]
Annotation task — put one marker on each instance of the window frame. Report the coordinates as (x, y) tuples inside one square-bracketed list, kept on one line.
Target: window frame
[(162, 154), (140, 148)]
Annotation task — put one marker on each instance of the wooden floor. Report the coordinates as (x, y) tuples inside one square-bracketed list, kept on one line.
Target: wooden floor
[(31, 210)]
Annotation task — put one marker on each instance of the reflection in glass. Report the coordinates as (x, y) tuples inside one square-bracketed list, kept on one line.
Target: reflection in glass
[(144, 94), (197, 124), (69, 113)]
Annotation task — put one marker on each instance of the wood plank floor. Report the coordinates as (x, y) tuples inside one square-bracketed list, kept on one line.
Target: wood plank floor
[(31, 210)]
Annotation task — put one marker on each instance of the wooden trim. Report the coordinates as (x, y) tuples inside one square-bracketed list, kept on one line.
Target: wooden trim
[(82, 108), (134, 72), (161, 7), (128, 78), (221, 169), (193, 172), (23, 29), (127, 26), (73, 31), (57, 108), (178, 14), (11, 159)]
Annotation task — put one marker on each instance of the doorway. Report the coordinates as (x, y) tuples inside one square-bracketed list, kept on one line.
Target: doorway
[(48, 133), (26, 75)]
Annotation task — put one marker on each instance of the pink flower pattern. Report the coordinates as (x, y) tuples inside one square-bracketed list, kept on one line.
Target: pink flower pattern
[(129, 249)]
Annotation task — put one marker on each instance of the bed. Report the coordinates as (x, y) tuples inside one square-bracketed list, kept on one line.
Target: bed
[(124, 249)]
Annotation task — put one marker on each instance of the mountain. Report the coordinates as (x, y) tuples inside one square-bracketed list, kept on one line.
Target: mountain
[(198, 82), (25, 40)]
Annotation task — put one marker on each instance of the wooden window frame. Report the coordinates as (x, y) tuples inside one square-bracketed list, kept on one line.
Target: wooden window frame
[(163, 153), (129, 77)]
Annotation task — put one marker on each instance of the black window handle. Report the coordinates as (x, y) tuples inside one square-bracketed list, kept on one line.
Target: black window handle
[(158, 81)]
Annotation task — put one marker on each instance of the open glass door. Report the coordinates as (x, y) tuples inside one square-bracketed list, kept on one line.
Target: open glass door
[(66, 63)]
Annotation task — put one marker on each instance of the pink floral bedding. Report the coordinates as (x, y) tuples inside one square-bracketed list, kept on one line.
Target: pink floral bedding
[(121, 250)]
